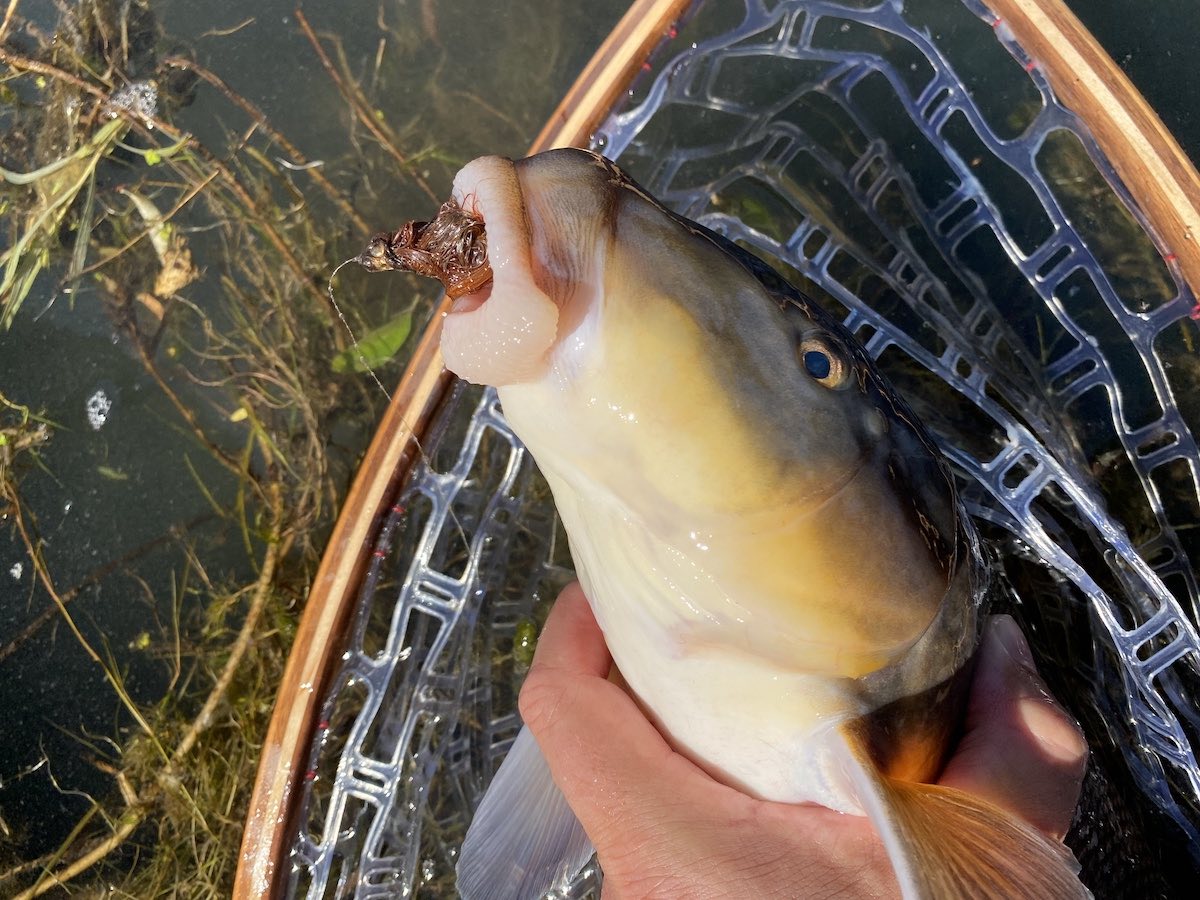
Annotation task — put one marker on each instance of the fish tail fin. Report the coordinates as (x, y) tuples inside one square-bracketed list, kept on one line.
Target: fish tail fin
[(524, 840), (945, 843)]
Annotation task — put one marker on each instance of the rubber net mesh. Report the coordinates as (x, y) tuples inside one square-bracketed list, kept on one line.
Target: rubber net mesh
[(908, 165)]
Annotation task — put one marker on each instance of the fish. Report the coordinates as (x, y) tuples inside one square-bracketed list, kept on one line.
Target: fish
[(771, 542)]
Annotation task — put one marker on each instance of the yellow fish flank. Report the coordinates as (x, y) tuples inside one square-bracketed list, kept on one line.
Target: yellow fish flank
[(769, 540)]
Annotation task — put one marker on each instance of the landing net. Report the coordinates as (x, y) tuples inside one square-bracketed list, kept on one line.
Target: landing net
[(910, 167)]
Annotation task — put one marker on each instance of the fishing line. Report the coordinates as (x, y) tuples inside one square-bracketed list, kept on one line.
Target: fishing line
[(362, 357), (412, 431)]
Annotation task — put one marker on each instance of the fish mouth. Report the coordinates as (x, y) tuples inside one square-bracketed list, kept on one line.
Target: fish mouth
[(470, 302), (500, 333)]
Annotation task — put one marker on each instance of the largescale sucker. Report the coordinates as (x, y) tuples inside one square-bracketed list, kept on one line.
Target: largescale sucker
[(770, 541)]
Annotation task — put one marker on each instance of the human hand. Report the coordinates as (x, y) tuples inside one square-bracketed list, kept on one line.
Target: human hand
[(663, 827)]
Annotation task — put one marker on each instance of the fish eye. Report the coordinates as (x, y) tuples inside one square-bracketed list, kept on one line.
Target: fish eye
[(825, 364)]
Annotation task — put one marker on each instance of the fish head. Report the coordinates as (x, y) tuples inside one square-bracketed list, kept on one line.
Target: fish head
[(676, 389)]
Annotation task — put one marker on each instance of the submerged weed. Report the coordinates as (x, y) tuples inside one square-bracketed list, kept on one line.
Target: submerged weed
[(207, 259)]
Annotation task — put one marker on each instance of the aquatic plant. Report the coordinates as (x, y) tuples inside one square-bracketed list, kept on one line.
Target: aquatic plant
[(208, 260), (200, 237)]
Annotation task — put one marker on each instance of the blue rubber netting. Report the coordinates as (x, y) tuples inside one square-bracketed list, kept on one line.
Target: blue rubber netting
[(909, 166)]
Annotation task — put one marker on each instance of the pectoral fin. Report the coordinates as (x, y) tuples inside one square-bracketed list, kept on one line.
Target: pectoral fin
[(524, 840), (946, 844)]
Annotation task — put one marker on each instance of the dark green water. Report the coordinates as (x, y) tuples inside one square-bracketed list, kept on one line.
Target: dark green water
[(1155, 45)]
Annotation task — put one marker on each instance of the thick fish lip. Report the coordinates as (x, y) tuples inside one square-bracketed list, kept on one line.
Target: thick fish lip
[(472, 301), (502, 333)]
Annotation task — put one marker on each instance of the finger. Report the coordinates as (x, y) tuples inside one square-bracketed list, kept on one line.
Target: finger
[(1021, 749), (610, 762), (571, 640)]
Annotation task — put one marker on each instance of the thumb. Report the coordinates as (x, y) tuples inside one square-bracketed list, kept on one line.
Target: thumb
[(609, 761), (1021, 749)]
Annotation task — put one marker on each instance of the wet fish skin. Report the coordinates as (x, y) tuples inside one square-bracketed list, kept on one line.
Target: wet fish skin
[(776, 554)]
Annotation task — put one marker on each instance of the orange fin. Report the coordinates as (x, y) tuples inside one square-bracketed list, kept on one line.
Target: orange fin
[(944, 843)]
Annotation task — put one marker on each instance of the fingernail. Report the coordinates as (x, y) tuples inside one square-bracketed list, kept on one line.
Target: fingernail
[(1057, 733), (1046, 719), (1007, 633)]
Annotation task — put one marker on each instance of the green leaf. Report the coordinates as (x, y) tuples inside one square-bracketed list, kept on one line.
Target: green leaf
[(376, 347), (153, 157), (525, 642)]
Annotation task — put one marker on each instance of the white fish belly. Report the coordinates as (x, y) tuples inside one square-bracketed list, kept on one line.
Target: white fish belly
[(769, 732)]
